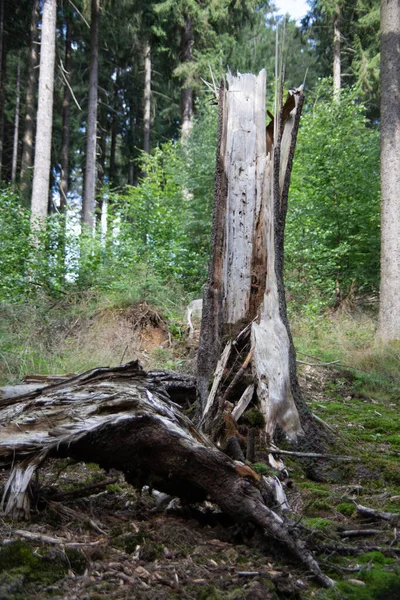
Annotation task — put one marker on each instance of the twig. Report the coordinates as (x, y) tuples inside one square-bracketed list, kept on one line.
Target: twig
[(314, 416), (80, 14), (359, 532), (328, 364), (46, 539), (312, 454)]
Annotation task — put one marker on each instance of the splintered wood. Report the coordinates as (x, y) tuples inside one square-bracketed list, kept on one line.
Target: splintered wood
[(244, 285)]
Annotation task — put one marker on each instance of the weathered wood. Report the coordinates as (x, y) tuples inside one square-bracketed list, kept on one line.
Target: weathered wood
[(122, 418), (245, 279)]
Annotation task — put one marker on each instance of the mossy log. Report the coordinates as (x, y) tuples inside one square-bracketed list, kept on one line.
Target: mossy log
[(123, 418)]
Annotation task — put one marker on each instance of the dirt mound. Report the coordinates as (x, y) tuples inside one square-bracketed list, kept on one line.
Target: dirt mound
[(114, 336)]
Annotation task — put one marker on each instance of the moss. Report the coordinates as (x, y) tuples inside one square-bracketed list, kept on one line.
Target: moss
[(319, 524), (17, 554), (209, 593), (316, 488), (261, 468), (113, 488), (377, 558), (380, 584), (18, 560), (254, 418), (346, 508), (150, 551), (313, 507)]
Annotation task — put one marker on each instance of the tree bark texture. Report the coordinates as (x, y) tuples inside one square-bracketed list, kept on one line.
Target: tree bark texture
[(112, 173), (244, 308), (29, 129), (41, 175), (147, 98), (123, 418), (2, 84), (64, 183), (16, 127), (89, 195), (336, 51), (389, 309), (187, 92)]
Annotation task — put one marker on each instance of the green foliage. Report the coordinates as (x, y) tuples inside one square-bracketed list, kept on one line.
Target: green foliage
[(332, 235), (14, 247)]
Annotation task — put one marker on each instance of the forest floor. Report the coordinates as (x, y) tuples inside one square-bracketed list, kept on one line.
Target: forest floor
[(93, 536)]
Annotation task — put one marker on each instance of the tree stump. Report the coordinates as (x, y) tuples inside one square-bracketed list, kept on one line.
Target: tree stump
[(245, 344)]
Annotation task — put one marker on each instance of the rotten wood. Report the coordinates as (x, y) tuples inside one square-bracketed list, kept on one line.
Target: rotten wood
[(91, 416)]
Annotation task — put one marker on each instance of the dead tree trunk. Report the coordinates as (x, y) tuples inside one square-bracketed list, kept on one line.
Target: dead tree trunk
[(89, 416), (245, 342)]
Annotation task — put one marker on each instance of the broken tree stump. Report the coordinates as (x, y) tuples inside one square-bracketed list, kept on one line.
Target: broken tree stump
[(246, 354)]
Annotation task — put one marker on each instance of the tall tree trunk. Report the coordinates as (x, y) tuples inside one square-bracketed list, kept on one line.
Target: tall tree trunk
[(27, 141), (41, 174), (389, 310), (147, 98), (336, 51), (64, 183), (16, 127), (187, 92), (2, 84), (101, 164), (89, 195), (114, 132), (244, 324)]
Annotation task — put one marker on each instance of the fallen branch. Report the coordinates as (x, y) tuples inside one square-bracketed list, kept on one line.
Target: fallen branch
[(359, 532), (378, 514), (47, 539), (312, 455)]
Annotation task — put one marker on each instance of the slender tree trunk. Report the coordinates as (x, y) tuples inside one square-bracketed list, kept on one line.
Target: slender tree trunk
[(389, 310), (101, 166), (2, 84), (41, 175), (64, 183), (89, 195), (336, 51), (16, 127), (147, 98), (187, 92), (114, 132), (244, 324), (27, 141)]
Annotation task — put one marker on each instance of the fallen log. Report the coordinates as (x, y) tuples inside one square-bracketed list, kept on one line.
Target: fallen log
[(123, 418)]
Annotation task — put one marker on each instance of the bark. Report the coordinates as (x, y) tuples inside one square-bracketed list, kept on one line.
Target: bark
[(27, 142), (389, 309), (187, 92), (16, 127), (89, 416), (114, 132), (2, 84), (245, 332), (147, 98), (89, 195), (336, 51), (64, 183), (41, 175)]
